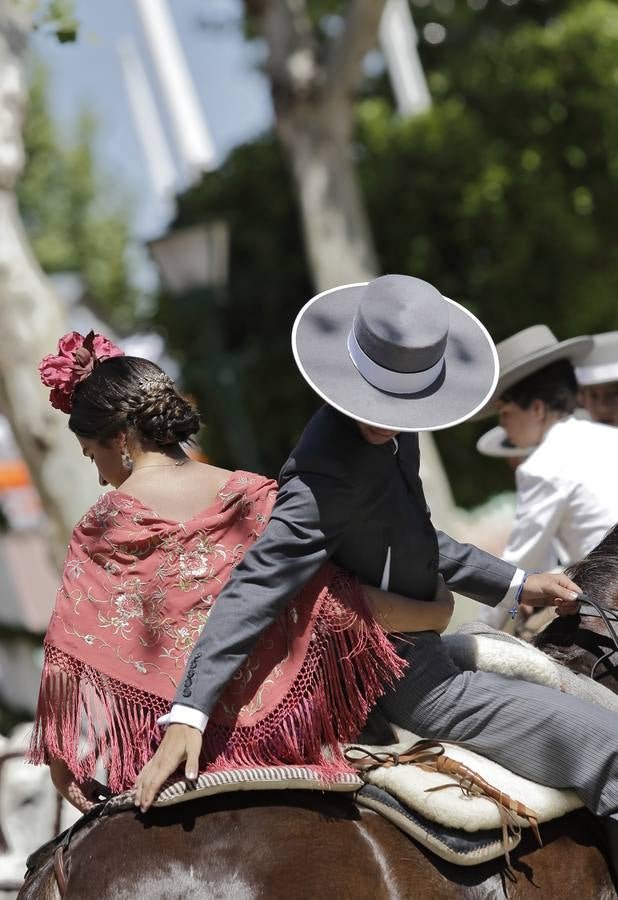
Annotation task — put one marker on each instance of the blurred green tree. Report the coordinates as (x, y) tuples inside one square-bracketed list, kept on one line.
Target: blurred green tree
[(504, 194), (74, 219)]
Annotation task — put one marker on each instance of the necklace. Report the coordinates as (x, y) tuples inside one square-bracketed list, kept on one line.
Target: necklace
[(180, 462)]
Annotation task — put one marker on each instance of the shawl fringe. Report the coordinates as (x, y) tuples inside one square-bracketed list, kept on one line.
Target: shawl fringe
[(84, 715)]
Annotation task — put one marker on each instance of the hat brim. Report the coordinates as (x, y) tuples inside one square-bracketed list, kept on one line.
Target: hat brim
[(320, 347), (492, 444), (572, 349)]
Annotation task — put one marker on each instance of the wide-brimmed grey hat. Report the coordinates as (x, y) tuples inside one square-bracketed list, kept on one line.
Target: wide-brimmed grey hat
[(528, 351), (600, 365), (394, 353), (495, 442)]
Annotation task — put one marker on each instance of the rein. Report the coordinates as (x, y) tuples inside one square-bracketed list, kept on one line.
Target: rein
[(607, 615)]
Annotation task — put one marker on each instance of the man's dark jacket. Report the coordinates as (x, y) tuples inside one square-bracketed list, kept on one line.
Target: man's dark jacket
[(344, 499)]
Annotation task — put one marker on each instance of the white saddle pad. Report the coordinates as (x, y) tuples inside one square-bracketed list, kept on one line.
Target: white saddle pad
[(479, 647), (452, 808)]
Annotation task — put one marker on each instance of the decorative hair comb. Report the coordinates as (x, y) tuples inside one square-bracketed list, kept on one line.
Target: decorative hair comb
[(76, 358)]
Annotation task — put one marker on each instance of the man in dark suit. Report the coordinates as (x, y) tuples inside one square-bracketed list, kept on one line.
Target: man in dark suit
[(392, 357)]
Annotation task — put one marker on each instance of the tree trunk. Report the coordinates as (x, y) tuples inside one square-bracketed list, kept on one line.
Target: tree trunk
[(30, 323), (338, 239), (31, 319)]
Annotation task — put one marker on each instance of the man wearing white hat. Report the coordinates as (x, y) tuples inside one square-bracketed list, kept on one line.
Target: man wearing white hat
[(391, 358), (597, 377), (567, 490)]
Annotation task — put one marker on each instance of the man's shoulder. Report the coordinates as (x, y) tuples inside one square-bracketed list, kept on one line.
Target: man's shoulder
[(329, 432), (331, 444), (567, 446)]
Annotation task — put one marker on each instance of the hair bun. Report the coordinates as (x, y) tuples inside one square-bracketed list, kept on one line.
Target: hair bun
[(161, 414)]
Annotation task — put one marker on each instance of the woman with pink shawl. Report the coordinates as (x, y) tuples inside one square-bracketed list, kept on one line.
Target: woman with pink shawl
[(143, 570)]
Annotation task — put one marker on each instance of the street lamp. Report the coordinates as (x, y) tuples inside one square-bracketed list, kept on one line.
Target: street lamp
[(193, 263), (193, 258)]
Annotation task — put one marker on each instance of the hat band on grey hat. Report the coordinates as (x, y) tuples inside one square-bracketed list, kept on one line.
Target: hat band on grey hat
[(394, 353), (388, 380)]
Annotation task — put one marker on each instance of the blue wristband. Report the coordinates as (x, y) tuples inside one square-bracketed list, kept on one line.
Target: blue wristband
[(515, 607)]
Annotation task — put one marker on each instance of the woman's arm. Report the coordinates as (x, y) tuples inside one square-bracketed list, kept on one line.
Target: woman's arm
[(82, 796), (397, 613)]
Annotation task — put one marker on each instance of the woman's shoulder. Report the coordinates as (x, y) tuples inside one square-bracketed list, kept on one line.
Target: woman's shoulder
[(250, 484), (106, 511)]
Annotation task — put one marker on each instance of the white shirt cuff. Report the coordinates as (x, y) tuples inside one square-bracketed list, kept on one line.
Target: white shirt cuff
[(184, 715), (511, 595)]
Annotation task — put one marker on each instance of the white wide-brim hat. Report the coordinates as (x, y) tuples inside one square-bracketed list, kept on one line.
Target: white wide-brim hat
[(495, 442), (527, 352), (395, 354), (600, 365)]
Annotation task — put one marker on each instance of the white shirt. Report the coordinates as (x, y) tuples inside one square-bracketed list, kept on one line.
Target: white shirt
[(567, 497), (567, 492)]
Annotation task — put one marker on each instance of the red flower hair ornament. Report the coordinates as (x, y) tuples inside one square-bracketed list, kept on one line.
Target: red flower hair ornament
[(76, 358)]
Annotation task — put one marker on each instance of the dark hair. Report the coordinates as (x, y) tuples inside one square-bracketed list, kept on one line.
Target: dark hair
[(127, 392), (554, 384)]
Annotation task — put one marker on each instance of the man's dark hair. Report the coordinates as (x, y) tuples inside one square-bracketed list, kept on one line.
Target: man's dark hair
[(555, 385)]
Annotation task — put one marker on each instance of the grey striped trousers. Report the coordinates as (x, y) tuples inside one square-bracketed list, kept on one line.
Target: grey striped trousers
[(537, 732)]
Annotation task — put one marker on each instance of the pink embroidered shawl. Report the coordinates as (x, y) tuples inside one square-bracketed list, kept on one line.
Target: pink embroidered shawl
[(136, 591)]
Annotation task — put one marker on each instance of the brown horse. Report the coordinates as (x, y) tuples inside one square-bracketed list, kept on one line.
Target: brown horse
[(303, 845)]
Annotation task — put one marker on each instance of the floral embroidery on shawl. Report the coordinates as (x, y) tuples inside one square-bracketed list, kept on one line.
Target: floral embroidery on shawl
[(137, 591)]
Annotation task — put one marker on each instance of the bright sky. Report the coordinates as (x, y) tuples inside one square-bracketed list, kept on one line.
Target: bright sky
[(233, 93)]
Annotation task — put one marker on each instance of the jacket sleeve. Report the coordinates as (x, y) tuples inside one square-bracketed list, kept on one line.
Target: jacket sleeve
[(308, 520), (473, 572)]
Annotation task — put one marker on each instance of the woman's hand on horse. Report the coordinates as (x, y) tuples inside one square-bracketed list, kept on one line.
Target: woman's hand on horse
[(181, 742), (80, 795), (551, 589)]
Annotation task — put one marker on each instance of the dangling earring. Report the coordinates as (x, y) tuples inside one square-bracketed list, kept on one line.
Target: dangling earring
[(127, 462)]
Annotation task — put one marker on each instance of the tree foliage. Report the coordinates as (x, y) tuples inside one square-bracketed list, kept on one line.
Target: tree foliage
[(55, 16), (268, 281), (504, 195), (66, 209)]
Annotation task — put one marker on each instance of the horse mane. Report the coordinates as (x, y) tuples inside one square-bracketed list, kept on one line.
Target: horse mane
[(566, 639), (597, 573)]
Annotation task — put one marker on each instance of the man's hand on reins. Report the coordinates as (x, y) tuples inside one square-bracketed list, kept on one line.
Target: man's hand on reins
[(551, 589), (181, 742)]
